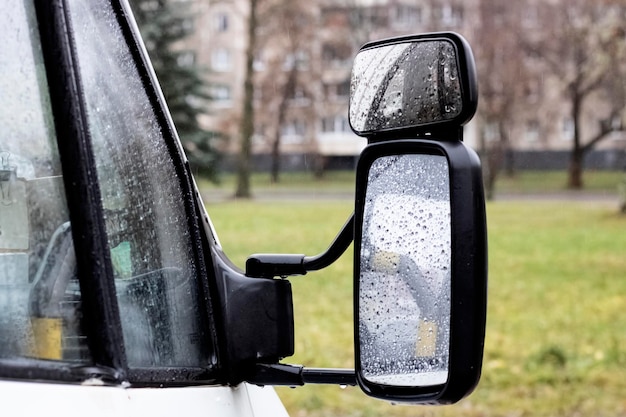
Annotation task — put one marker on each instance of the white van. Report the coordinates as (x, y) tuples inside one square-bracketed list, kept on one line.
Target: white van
[(115, 295)]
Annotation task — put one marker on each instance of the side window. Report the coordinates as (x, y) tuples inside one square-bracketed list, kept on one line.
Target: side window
[(151, 248), (40, 310)]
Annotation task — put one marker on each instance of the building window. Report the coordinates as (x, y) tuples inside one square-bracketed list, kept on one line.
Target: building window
[(220, 22), (258, 64), (186, 59), (299, 58), (405, 16), (532, 131), (221, 93), (492, 132), (335, 124), (343, 89), (568, 129), (220, 60), (451, 15), (530, 17), (298, 97), (340, 90), (533, 90), (293, 131), (337, 54)]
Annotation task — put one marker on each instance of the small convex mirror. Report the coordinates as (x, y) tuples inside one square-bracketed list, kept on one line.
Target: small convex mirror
[(416, 83), (420, 271)]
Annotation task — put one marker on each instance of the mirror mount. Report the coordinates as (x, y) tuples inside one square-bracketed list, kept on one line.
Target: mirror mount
[(270, 265), (443, 133), (296, 375)]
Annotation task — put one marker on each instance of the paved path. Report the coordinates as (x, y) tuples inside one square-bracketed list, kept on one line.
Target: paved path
[(219, 195), (582, 196)]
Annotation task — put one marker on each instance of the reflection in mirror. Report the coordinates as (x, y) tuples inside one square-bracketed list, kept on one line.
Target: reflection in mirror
[(405, 272), (405, 85)]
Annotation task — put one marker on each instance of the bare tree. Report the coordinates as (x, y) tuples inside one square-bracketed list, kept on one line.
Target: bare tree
[(581, 44), (285, 46), (501, 79), (307, 47), (247, 113)]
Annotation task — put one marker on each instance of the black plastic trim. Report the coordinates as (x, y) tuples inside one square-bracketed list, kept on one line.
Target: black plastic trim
[(171, 377), (257, 317), (38, 369), (81, 186)]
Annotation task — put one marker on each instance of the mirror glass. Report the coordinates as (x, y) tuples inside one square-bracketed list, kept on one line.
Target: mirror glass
[(405, 85), (405, 272)]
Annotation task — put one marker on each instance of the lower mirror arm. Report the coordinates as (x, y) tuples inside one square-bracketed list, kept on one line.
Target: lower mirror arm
[(295, 375)]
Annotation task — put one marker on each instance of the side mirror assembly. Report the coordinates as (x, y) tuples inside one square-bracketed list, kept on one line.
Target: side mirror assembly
[(419, 229), (420, 264)]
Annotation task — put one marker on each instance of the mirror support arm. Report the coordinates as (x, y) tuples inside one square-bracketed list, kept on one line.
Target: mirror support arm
[(446, 133), (453, 132), (334, 251), (270, 265), (295, 375)]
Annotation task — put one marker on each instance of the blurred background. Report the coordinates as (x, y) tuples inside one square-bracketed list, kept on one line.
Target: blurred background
[(265, 84)]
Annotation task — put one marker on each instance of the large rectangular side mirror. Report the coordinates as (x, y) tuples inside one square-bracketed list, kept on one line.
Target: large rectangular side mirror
[(420, 271)]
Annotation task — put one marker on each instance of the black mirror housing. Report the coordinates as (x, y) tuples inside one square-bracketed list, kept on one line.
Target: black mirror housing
[(434, 311)]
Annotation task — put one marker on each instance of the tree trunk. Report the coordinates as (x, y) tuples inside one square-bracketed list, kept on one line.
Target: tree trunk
[(287, 91), (575, 170), (319, 166), (247, 116), (275, 168)]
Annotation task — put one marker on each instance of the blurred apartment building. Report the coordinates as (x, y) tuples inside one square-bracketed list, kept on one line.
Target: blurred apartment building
[(308, 112)]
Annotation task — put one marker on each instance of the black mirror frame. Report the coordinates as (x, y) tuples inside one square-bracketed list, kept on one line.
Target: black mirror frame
[(469, 270), (467, 76)]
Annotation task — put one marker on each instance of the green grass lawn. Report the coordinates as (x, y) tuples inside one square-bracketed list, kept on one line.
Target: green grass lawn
[(539, 182), (342, 182), (556, 331)]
